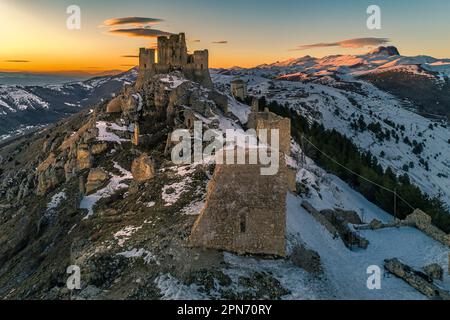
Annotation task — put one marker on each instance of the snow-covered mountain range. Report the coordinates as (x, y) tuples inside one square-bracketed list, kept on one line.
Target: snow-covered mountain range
[(24, 107), (372, 100)]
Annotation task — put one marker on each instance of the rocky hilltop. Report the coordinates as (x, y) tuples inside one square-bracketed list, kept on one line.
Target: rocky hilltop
[(99, 191)]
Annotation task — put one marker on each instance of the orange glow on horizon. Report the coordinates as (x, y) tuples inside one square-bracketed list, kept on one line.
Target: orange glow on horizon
[(39, 35)]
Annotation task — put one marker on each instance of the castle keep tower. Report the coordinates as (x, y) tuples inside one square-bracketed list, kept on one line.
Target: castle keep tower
[(239, 89), (146, 58), (268, 120), (173, 55), (172, 51)]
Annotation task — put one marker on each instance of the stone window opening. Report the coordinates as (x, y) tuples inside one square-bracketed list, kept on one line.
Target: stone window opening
[(242, 222)]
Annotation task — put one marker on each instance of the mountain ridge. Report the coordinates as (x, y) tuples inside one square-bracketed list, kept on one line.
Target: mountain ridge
[(26, 106)]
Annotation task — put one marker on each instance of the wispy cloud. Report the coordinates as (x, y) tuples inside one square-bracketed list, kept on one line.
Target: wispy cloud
[(17, 61), (195, 40), (135, 21), (135, 27), (140, 32), (350, 43), (221, 42)]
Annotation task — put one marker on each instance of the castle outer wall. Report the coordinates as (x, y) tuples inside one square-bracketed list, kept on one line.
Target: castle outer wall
[(173, 56)]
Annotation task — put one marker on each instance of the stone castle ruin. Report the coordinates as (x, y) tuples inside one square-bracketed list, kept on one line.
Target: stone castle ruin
[(268, 120), (172, 55), (239, 89), (245, 211)]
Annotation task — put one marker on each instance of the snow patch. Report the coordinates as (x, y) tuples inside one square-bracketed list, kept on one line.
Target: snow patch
[(124, 234), (173, 192), (173, 289), (56, 200), (105, 135), (147, 256), (116, 183)]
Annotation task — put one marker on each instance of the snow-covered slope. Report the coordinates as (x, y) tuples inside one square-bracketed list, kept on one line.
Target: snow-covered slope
[(354, 64), (345, 271), (398, 136)]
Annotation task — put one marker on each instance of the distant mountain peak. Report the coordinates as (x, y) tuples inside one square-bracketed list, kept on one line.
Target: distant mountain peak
[(389, 51)]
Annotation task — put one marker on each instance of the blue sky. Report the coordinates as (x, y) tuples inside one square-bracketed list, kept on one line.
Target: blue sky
[(257, 31)]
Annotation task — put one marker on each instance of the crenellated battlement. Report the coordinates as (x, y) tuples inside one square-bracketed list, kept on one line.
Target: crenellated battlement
[(172, 54)]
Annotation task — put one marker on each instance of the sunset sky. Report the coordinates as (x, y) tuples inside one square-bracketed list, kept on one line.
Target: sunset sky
[(34, 36)]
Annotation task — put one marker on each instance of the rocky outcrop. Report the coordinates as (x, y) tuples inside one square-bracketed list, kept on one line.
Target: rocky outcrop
[(143, 168), (220, 100), (416, 279), (84, 157), (434, 271), (422, 221), (70, 169), (99, 148), (96, 179), (50, 161), (50, 178), (389, 50), (115, 105), (308, 260), (50, 173)]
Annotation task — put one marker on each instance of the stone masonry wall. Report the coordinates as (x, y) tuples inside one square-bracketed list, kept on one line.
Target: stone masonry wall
[(245, 212)]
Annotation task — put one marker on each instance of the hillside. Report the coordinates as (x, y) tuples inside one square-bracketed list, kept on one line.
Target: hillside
[(333, 92), (129, 238), (101, 190), (24, 107)]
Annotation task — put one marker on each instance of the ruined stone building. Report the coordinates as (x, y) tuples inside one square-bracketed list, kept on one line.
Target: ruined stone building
[(268, 120), (245, 212), (239, 89), (172, 55)]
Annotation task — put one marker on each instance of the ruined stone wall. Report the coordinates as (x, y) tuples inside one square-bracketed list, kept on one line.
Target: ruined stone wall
[(172, 51), (197, 68), (239, 89), (146, 58), (245, 212), (172, 55), (268, 120), (423, 222)]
